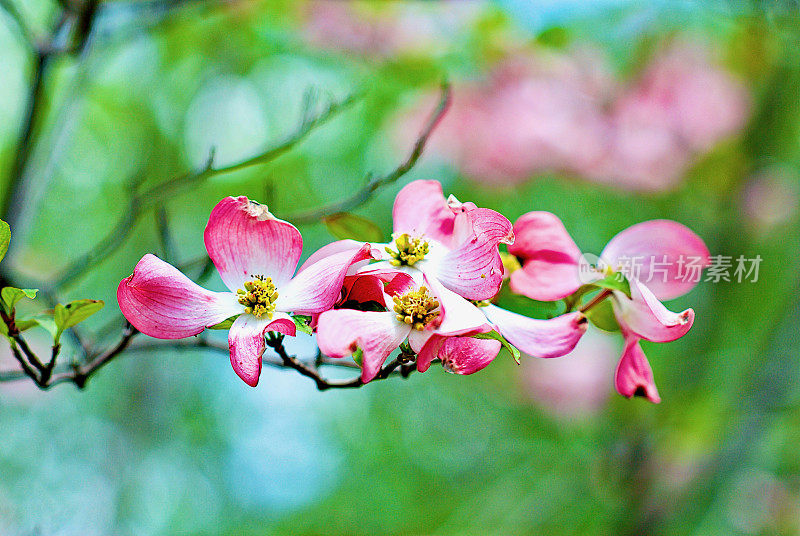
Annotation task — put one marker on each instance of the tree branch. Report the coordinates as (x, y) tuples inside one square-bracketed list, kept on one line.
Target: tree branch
[(139, 202), (376, 183)]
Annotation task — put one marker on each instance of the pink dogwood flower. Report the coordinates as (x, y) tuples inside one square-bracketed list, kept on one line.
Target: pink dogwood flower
[(422, 309), (452, 242), (256, 255), (670, 257)]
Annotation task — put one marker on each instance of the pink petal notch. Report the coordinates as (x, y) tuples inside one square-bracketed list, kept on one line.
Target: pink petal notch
[(634, 377), (550, 258), (160, 301), (645, 316), (244, 240), (246, 342), (665, 255)]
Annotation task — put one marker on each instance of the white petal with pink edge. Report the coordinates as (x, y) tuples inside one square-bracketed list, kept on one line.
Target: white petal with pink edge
[(554, 337), (319, 286), (645, 316)]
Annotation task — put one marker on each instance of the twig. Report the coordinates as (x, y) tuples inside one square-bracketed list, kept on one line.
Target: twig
[(56, 43), (375, 183), (164, 235), (27, 34), (139, 202)]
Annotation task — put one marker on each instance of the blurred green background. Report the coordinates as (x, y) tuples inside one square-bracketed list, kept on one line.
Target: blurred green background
[(175, 443)]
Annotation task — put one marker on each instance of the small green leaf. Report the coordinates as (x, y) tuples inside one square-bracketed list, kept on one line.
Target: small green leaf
[(22, 325), (507, 345), (615, 281), (302, 323), (602, 316), (12, 295), (225, 324), (74, 312), (344, 225), (358, 357), (5, 238), (554, 37), (3, 328)]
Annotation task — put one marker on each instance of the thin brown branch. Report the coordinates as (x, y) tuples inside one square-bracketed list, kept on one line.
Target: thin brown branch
[(376, 183), (141, 201), (596, 300)]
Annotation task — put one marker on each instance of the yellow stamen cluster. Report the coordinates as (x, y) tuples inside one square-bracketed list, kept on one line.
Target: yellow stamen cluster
[(409, 250), (510, 263), (258, 296), (481, 303), (416, 308)]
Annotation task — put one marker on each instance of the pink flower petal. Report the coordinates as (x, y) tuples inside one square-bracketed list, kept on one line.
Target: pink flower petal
[(539, 338), (363, 288), (457, 316), (459, 355), (341, 332), (336, 247), (661, 252), (244, 240), (550, 258), (246, 342), (634, 377), (162, 302), (421, 210), (647, 317), (319, 286), (474, 268)]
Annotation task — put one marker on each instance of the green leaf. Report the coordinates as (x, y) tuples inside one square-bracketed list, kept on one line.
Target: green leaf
[(225, 324), (22, 325), (3, 328), (5, 238), (344, 225), (615, 281), (302, 323), (66, 316), (602, 316), (358, 357), (554, 37), (507, 345), (12, 295)]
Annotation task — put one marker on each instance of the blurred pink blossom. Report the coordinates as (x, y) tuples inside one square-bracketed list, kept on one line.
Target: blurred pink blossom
[(566, 112), (578, 383), (771, 198), (387, 29)]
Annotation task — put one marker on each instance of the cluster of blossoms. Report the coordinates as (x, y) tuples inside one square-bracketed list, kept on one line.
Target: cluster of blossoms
[(540, 111), (427, 293)]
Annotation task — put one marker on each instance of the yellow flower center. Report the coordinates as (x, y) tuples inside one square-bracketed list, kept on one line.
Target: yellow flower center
[(258, 297), (409, 250), (416, 308), (510, 263)]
